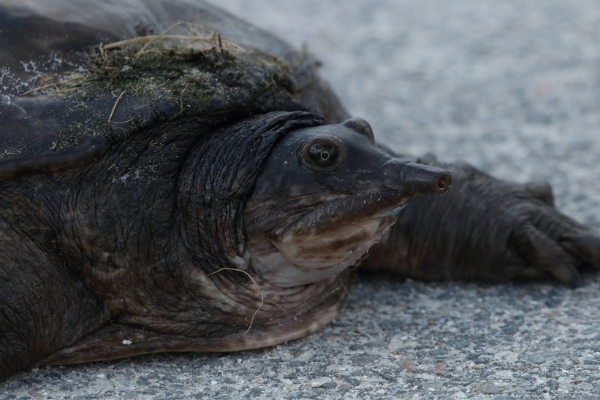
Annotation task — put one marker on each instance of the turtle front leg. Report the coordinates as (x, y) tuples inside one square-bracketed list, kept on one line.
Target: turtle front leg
[(486, 229)]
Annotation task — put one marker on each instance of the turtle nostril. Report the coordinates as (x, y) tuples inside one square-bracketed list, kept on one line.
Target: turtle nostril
[(425, 178), (444, 182)]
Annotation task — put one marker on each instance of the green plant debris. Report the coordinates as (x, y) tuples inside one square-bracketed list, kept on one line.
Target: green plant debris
[(166, 69), (123, 83)]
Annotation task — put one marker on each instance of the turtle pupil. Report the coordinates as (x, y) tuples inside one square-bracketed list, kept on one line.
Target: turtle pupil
[(323, 154)]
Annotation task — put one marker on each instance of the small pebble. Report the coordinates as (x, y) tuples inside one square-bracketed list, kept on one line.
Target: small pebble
[(127, 342), (320, 382), (479, 366)]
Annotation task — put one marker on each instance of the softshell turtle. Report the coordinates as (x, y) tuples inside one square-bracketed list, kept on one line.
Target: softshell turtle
[(173, 179)]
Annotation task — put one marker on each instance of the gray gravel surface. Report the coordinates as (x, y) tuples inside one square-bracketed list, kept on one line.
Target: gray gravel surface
[(512, 87)]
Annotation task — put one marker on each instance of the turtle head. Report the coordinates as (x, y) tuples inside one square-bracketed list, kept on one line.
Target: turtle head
[(324, 196)]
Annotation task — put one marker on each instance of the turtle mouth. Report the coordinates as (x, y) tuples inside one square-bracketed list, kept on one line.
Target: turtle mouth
[(332, 235), (391, 211), (312, 237), (332, 212)]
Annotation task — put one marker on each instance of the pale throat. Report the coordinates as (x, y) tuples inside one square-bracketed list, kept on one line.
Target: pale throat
[(313, 256)]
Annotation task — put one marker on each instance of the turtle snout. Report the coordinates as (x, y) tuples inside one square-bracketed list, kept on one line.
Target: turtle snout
[(425, 178)]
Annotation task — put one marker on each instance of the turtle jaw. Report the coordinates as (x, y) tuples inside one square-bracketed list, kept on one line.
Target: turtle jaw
[(331, 213), (392, 211), (321, 236)]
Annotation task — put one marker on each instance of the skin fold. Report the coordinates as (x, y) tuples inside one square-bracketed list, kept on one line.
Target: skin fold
[(158, 196)]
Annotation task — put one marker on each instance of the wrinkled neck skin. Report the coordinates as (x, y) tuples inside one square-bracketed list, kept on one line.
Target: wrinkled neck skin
[(177, 266), (305, 223), (170, 258), (130, 229)]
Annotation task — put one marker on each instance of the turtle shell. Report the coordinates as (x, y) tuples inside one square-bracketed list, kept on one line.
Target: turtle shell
[(79, 77)]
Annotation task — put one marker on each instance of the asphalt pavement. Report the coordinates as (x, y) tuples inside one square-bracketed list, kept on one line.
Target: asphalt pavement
[(512, 87)]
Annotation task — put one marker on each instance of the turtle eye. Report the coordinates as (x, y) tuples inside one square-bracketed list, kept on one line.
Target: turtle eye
[(322, 154)]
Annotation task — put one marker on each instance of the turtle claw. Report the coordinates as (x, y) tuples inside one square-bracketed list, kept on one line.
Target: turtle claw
[(585, 246), (543, 253), (566, 274)]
